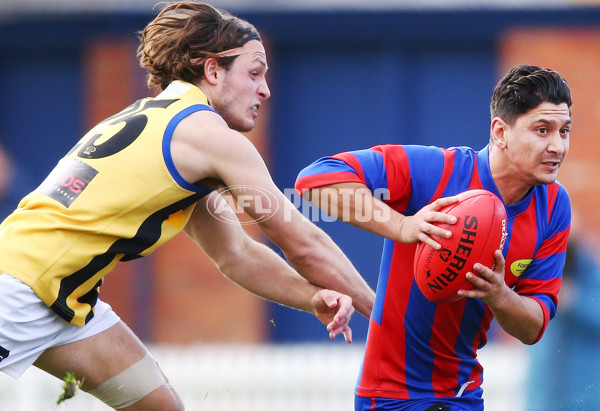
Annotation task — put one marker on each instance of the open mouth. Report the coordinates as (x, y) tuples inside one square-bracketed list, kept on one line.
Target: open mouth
[(551, 164)]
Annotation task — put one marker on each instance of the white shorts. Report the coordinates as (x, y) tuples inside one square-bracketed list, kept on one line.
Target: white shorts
[(28, 326)]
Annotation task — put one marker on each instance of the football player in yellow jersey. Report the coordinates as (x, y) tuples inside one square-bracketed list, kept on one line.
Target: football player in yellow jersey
[(132, 183)]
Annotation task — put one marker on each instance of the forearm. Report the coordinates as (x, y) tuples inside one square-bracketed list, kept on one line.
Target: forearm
[(354, 204), (261, 271), (318, 259), (520, 316)]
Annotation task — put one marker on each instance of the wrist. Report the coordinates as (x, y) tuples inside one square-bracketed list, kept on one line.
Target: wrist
[(502, 300)]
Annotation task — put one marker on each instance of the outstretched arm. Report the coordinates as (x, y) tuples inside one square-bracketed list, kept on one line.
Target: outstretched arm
[(260, 270), (226, 156)]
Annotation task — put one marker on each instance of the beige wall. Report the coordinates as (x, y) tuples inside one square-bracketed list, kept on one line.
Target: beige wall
[(576, 55)]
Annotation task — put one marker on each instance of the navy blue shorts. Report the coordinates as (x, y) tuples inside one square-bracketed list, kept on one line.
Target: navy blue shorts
[(469, 401)]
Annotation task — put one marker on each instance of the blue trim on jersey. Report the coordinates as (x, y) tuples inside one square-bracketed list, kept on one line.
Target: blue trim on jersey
[(166, 147)]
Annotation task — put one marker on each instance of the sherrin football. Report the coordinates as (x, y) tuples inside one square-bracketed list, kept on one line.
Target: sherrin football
[(479, 231)]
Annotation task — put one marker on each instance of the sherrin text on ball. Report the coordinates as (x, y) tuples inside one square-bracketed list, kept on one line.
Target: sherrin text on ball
[(480, 230)]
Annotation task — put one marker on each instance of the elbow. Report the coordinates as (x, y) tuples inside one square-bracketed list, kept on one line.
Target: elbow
[(529, 335), (529, 340), (304, 251), (533, 337), (230, 257), (226, 266), (538, 327)]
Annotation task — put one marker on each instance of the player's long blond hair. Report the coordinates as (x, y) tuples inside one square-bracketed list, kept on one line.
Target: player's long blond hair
[(175, 45)]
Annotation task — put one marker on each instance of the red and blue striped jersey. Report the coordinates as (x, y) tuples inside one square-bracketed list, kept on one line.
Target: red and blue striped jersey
[(415, 348)]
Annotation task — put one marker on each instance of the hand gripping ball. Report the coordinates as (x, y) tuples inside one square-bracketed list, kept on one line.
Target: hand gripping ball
[(479, 231)]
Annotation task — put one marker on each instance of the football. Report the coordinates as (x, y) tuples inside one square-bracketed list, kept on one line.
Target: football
[(479, 231)]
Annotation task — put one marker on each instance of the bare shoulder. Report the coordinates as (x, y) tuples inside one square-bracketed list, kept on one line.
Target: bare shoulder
[(207, 131), (202, 143)]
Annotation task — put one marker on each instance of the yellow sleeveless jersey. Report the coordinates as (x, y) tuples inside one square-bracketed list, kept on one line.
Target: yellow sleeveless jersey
[(114, 197)]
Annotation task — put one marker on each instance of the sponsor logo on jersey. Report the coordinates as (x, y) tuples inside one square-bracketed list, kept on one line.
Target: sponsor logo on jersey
[(67, 181), (518, 266)]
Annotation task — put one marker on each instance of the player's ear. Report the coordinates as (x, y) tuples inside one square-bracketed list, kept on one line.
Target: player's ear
[(211, 67), (498, 130)]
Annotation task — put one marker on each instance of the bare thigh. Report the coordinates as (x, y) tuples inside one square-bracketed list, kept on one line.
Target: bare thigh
[(98, 358)]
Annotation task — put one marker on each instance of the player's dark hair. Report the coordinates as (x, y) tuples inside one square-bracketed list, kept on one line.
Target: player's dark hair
[(526, 87), (176, 44)]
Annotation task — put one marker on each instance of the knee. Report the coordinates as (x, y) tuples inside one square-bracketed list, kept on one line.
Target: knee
[(142, 386), (172, 401), (164, 398)]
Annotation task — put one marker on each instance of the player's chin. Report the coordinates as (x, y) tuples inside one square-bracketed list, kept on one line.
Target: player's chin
[(547, 175), (547, 178), (243, 125), (250, 120), (245, 128)]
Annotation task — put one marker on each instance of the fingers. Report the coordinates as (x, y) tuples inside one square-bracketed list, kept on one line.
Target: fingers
[(429, 241), (500, 262), (481, 286), (433, 221), (479, 280), (339, 325), (432, 212), (337, 307), (329, 298), (345, 330), (429, 232), (332, 299), (343, 314), (489, 273), (443, 202), (485, 279)]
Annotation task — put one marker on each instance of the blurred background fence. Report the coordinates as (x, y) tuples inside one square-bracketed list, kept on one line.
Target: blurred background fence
[(280, 377), (344, 75)]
